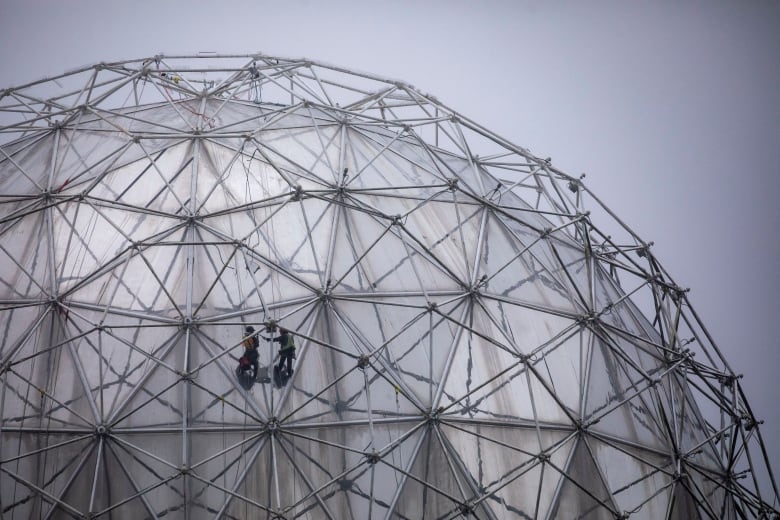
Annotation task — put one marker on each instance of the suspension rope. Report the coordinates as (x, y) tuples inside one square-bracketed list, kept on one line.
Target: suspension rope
[(224, 444), (175, 78), (389, 435)]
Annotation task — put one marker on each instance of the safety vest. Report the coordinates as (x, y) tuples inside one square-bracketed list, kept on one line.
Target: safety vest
[(250, 342), (289, 343)]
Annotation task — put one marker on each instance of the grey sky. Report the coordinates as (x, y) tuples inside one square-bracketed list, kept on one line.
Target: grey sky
[(671, 108)]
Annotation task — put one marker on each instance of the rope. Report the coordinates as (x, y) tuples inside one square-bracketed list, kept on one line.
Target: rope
[(52, 374), (224, 445), (24, 414), (238, 466), (389, 436), (275, 291), (248, 189), (241, 299), (176, 79)]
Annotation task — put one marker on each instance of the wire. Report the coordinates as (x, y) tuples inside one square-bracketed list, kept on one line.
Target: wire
[(176, 79)]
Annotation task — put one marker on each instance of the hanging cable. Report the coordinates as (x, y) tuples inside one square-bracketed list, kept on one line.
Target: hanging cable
[(389, 436), (175, 78), (224, 445), (247, 188)]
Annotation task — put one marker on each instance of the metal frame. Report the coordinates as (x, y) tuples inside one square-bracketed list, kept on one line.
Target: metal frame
[(442, 333)]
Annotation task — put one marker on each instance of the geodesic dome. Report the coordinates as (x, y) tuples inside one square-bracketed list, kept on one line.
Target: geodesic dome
[(477, 335)]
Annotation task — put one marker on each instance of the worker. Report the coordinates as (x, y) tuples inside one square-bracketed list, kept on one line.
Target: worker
[(286, 351), (250, 349)]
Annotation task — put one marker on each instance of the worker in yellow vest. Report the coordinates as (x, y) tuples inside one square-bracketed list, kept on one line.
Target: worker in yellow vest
[(286, 351)]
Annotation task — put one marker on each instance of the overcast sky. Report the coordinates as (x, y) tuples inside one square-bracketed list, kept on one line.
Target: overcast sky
[(671, 108)]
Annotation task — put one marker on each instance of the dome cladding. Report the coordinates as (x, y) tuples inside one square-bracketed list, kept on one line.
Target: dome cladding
[(474, 332)]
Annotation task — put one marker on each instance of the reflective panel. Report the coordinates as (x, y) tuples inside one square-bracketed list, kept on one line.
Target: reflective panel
[(582, 493), (639, 480)]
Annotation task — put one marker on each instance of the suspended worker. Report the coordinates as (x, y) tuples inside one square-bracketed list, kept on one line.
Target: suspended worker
[(286, 351), (250, 349)]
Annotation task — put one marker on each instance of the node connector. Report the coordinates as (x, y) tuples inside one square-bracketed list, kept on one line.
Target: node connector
[(434, 416), (324, 294), (101, 431), (465, 509), (373, 457), (750, 422), (272, 426), (363, 362)]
